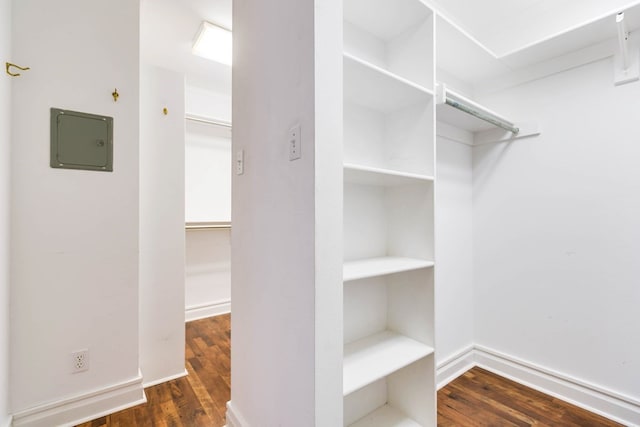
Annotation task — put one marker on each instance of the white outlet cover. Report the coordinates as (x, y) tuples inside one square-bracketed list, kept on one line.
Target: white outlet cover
[(80, 361)]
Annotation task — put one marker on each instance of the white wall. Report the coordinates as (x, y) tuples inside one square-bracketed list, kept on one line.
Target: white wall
[(207, 102), (454, 243), (280, 310), (557, 230), (5, 140), (162, 239), (273, 215), (208, 180), (208, 273), (207, 170), (74, 233)]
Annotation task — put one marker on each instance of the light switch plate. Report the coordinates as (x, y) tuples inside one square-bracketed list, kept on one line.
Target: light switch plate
[(295, 148), (240, 162)]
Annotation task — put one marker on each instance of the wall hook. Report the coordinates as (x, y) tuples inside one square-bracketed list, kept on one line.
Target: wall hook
[(9, 65), (115, 95), (165, 111)]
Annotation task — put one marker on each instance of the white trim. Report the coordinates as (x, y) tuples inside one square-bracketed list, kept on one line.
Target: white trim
[(615, 406), (209, 309), (454, 366), (84, 407), (234, 418), (184, 373), (599, 400)]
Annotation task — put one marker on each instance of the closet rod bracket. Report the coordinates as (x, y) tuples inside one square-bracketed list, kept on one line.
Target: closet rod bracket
[(627, 59)]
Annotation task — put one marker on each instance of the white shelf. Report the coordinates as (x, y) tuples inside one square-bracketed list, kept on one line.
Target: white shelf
[(373, 87), (373, 267), (385, 416), (463, 56), (359, 174), (447, 114), (374, 357), (576, 37), (471, 61)]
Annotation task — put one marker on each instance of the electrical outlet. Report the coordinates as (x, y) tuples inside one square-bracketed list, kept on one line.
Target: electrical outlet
[(80, 361)]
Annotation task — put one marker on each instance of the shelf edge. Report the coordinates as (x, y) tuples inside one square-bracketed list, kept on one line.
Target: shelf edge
[(388, 73)]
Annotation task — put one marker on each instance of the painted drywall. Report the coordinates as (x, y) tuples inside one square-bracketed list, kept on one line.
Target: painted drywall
[(5, 164), (207, 172), (280, 306), (454, 254), (273, 214), (208, 198), (162, 239), (206, 102), (74, 236), (208, 273), (557, 230)]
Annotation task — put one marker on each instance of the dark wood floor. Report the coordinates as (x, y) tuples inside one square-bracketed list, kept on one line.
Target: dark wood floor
[(477, 398), (198, 399), (481, 398)]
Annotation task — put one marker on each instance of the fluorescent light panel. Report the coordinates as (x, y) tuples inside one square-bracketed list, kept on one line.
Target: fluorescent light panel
[(214, 43)]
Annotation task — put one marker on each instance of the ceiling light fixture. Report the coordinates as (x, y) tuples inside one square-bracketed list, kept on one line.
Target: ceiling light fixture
[(213, 42)]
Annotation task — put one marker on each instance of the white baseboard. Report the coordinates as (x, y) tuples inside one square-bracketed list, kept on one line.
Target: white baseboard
[(85, 407), (207, 310), (184, 373), (234, 418), (454, 366), (617, 407), (609, 404)]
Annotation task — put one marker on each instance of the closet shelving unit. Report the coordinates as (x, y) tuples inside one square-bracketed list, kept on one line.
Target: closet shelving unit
[(389, 133)]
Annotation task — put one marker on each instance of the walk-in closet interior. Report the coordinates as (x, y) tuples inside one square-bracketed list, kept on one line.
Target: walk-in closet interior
[(416, 187), (483, 184)]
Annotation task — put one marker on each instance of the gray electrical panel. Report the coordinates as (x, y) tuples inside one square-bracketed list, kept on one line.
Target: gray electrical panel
[(81, 141)]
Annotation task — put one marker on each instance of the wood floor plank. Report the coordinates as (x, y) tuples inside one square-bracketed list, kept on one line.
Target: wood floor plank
[(198, 400), (536, 406), (204, 398), (486, 411), (478, 398), (482, 397)]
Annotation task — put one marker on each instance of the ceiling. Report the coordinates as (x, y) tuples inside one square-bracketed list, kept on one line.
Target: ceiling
[(503, 26), (167, 31)]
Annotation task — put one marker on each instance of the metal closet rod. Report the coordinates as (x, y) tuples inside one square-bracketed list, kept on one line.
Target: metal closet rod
[(207, 120), (470, 107), (207, 225)]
